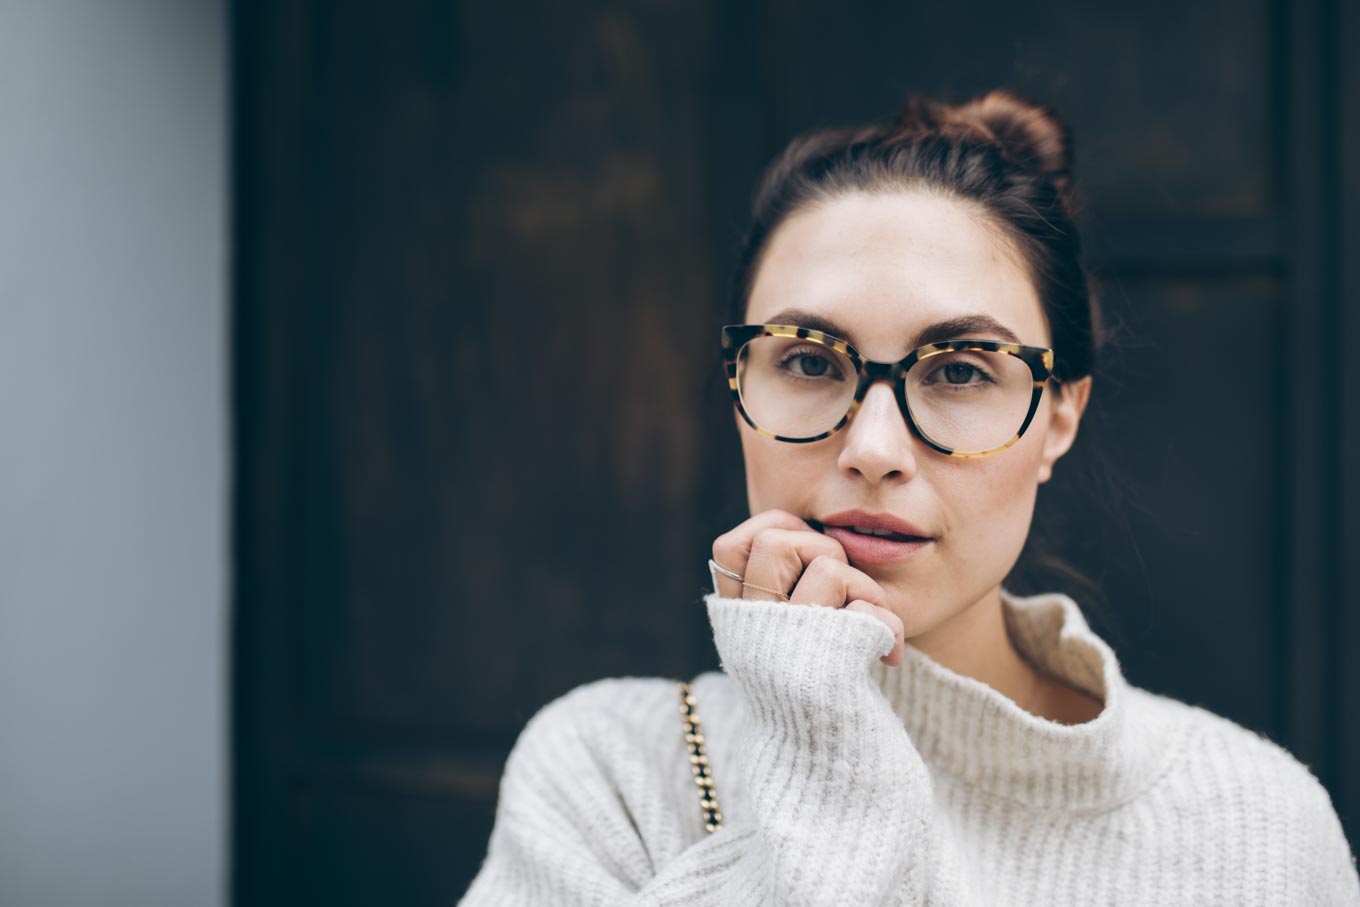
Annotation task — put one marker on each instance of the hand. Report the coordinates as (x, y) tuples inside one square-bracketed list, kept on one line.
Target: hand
[(777, 550)]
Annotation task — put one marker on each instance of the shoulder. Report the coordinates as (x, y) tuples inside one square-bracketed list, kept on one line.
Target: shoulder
[(608, 760), (621, 718), (623, 708), (1236, 781), (590, 794), (584, 757), (1217, 747), (622, 727)]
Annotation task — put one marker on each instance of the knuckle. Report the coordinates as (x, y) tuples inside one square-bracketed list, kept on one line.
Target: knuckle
[(824, 564), (832, 549), (766, 538), (770, 519)]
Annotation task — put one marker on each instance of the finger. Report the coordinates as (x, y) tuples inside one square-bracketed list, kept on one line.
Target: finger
[(732, 549), (830, 581), (779, 558), (891, 621)]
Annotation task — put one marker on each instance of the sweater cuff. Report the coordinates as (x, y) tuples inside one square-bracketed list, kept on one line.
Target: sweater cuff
[(813, 656)]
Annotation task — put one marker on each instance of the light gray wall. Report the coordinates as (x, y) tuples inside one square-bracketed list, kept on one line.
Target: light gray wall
[(112, 453)]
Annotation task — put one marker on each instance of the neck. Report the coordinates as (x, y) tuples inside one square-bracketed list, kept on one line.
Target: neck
[(974, 643)]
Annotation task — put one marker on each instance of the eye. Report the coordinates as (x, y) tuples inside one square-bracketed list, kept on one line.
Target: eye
[(810, 363), (958, 372)]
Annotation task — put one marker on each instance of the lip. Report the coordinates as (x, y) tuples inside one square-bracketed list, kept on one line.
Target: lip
[(869, 549), (867, 520)]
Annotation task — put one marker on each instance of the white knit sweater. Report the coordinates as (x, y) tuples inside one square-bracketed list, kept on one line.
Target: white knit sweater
[(845, 781)]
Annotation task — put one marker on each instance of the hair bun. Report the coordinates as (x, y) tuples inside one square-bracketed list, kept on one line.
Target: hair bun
[(1031, 134)]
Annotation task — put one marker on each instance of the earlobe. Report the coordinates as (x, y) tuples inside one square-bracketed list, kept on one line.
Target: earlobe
[(1063, 421)]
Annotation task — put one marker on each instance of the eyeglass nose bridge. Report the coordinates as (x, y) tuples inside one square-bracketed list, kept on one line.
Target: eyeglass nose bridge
[(871, 371)]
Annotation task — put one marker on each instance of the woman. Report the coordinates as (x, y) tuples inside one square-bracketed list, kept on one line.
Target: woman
[(911, 356)]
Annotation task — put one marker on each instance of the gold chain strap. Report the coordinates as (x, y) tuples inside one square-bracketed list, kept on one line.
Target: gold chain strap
[(698, 761)]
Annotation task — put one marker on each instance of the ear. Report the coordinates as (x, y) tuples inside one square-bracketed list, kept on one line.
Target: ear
[(1063, 419)]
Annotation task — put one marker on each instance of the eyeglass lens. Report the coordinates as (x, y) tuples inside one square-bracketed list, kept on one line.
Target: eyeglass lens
[(964, 400)]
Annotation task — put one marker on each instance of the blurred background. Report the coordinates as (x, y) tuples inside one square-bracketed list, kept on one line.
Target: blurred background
[(362, 392)]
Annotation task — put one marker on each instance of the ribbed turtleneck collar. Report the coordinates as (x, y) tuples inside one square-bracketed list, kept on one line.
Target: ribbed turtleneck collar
[(969, 731)]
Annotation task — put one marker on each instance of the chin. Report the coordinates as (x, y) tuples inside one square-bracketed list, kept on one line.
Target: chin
[(922, 609)]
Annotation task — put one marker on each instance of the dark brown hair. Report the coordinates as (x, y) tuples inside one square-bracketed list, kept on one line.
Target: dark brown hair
[(1008, 155)]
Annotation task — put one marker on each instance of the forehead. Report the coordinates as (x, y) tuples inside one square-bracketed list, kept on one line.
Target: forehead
[(888, 265)]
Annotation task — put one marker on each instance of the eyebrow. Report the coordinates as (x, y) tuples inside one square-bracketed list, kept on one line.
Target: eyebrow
[(949, 329)]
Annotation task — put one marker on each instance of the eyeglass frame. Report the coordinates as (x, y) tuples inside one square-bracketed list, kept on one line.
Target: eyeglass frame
[(736, 336)]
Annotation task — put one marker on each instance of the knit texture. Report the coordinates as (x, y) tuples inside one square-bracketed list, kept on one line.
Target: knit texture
[(845, 781)]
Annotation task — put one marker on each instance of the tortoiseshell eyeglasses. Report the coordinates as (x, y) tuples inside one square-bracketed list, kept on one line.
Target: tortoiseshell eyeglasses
[(964, 398)]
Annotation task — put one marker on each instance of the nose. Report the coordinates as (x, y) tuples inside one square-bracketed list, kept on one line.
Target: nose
[(878, 443)]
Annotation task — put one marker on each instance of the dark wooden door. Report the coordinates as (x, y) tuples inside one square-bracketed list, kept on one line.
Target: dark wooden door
[(480, 258)]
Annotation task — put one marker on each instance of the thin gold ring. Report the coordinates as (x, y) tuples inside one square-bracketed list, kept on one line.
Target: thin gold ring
[(782, 595)]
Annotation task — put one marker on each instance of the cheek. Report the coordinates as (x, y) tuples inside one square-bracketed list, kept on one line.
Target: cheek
[(765, 464), (777, 474), (991, 503)]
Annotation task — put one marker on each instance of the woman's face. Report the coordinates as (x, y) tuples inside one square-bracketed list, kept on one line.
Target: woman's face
[(885, 267)]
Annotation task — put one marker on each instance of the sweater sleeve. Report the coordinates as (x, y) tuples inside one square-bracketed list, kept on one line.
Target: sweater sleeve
[(839, 801)]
